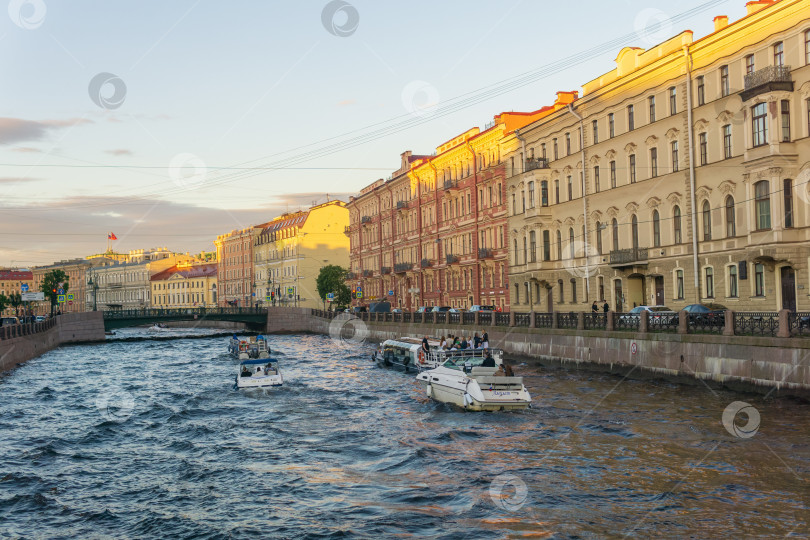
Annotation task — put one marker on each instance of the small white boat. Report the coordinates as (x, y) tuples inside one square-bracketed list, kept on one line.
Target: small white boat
[(249, 347), (258, 373), (467, 383), (158, 327)]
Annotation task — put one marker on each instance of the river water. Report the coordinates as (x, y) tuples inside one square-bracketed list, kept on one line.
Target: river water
[(149, 439)]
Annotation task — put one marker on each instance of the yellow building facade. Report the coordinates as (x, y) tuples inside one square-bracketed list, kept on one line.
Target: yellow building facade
[(696, 162), (185, 285), (290, 250)]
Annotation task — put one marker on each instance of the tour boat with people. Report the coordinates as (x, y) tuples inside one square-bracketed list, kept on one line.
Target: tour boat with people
[(406, 354), (476, 382), (258, 373), (249, 347)]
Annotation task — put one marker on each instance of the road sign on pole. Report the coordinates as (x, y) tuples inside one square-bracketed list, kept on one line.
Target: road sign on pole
[(32, 296), (24, 287), (60, 298)]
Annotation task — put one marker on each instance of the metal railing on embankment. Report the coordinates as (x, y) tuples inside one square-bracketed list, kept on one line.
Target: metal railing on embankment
[(10, 331), (782, 324)]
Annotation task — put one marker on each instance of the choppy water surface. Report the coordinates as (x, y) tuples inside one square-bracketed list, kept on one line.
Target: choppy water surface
[(148, 439)]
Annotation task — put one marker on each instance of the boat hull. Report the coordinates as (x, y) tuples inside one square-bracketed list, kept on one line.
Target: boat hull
[(393, 364), (263, 381)]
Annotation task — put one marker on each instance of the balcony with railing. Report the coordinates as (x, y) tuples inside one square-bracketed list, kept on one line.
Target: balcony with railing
[(351, 275), (450, 185), (628, 257), (401, 268), (485, 253), (536, 163), (402, 205), (769, 79), (451, 259), (347, 230), (368, 273), (385, 270), (365, 219), (426, 263)]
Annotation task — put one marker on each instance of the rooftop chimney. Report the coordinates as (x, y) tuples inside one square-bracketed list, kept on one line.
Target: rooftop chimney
[(756, 5), (720, 22)]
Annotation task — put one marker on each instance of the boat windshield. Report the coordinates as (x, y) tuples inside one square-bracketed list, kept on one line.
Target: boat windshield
[(464, 363)]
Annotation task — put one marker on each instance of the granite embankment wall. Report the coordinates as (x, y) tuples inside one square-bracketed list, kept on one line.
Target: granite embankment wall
[(24, 342), (780, 366)]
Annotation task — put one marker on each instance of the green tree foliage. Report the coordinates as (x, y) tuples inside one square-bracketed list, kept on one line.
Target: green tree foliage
[(15, 299), (4, 303), (332, 279), (50, 285)]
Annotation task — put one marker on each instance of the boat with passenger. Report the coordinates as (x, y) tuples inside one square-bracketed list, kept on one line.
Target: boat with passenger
[(248, 347), (476, 382), (406, 354), (258, 373)]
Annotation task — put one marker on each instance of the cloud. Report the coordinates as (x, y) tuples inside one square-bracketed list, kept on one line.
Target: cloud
[(14, 130), (26, 149), (119, 152), (346, 102), (18, 180), (304, 200)]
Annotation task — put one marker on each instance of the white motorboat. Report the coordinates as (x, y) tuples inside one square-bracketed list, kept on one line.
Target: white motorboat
[(157, 327), (406, 354), (249, 347), (466, 382), (258, 373)]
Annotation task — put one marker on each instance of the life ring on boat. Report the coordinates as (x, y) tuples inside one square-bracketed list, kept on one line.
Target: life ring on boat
[(421, 357)]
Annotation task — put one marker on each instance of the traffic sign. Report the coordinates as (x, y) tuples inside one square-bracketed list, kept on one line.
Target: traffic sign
[(290, 291), (60, 298), (70, 302), (268, 298), (24, 287), (32, 296), (70, 296), (359, 294), (391, 292), (359, 289)]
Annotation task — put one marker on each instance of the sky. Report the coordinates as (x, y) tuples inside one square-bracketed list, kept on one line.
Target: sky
[(169, 123)]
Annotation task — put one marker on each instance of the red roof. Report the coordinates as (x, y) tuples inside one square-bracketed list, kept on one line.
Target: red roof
[(16, 275), (196, 271)]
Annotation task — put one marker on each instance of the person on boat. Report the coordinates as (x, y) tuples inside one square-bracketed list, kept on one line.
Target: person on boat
[(444, 343), (258, 370), (508, 369), (425, 345), (245, 372), (488, 360), (476, 341), (485, 340)]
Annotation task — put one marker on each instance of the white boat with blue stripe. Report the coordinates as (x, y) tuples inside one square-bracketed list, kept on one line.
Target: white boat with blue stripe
[(259, 373)]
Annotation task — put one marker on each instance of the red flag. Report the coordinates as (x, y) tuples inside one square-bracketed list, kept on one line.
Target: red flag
[(113, 237)]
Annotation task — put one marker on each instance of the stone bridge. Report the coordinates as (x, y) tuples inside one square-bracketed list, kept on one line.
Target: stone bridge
[(254, 317)]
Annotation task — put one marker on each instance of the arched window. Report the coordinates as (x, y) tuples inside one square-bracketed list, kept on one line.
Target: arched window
[(763, 204), (731, 227), (656, 229), (533, 246), (516, 252), (559, 246), (525, 259), (615, 227), (707, 221), (634, 228), (599, 238), (676, 224), (517, 293), (546, 246), (571, 242)]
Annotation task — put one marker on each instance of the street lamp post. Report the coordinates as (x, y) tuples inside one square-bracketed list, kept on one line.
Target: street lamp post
[(94, 285)]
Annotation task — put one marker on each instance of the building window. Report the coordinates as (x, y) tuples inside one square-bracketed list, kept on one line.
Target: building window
[(573, 291), (554, 147), (674, 148), (709, 272), (632, 168), (544, 193), (559, 246), (546, 246), (763, 204), (562, 294), (656, 229), (703, 143), (615, 230), (595, 131), (570, 188), (724, 88), (533, 246), (651, 101), (701, 90), (557, 191), (567, 144), (673, 100), (517, 261), (749, 64), (679, 283), (598, 238), (611, 126), (759, 124), (653, 162), (531, 194), (707, 221), (731, 222), (571, 247), (785, 120), (759, 279), (634, 231), (676, 224), (807, 47), (601, 289), (613, 174), (727, 141), (631, 122), (732, 281), (779, 54), (787, 191), (596, 178), (543, 150)]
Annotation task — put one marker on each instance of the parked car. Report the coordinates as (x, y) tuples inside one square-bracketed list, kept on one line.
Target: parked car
[(437, 309), (423, 309), (707, 314), (456, 310), (660, 313), (8, 321), (396, 310), (475, 308), (359, 309), (40, 318)]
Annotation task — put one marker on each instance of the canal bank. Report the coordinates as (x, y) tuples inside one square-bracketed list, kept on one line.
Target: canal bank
[(762, 364), (24, 342)]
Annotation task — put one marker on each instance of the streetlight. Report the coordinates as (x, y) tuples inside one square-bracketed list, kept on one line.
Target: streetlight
[(94, 285)]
